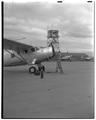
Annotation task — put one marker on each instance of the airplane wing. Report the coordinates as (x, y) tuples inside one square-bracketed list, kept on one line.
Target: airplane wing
[(13, 45)]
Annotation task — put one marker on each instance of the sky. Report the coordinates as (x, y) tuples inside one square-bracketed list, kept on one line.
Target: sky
[(29, 22)]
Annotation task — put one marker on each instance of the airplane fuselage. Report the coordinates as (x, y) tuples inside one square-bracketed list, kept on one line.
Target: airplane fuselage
[(11, 58)]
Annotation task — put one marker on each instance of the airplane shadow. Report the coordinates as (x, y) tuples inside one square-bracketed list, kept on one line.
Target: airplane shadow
[(53, 72), (64, 72), (26, 72), (15, 71)]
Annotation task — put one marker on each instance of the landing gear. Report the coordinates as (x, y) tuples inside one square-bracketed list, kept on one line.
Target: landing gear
[(32, 69), (37, 70)]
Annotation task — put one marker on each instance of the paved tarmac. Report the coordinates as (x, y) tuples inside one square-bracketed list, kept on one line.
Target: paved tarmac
[(67, 95)]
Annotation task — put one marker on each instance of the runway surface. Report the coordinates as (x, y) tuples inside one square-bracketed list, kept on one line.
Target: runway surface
[(67, 95)]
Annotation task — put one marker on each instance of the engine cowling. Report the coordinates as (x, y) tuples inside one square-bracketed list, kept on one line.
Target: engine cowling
[(43, 54)]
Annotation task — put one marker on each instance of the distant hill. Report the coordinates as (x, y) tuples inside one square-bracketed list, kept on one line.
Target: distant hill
[(73, 54)]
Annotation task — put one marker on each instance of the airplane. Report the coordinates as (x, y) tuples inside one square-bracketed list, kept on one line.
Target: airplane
[(86, 58), (18, 53), (67, 58)]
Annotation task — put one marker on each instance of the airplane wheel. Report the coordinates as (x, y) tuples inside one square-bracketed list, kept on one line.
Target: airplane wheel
[(32, 70)]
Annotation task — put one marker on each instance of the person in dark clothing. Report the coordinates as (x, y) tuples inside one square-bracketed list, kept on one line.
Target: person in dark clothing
[(42, 69)]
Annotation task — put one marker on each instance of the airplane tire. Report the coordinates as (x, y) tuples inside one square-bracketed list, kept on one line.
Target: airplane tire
[(32, 70)]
